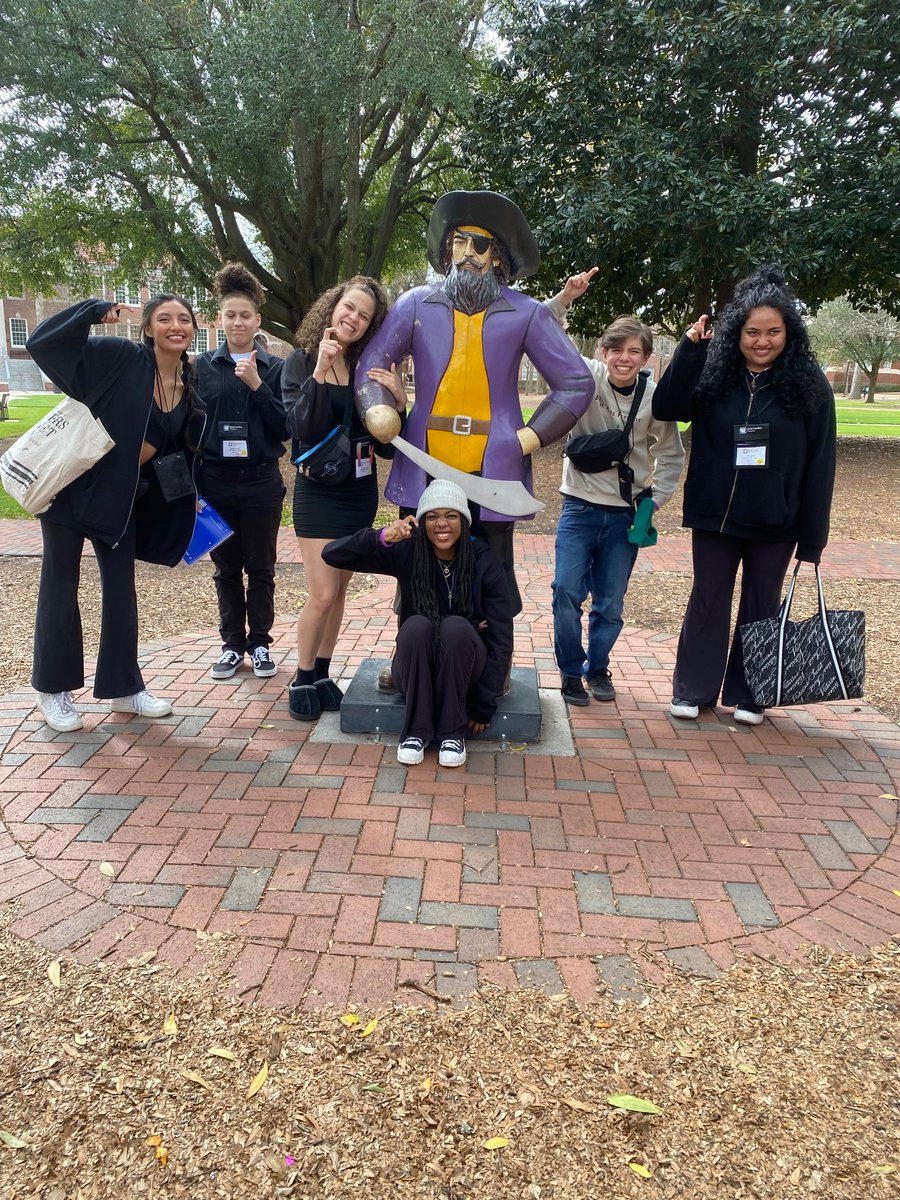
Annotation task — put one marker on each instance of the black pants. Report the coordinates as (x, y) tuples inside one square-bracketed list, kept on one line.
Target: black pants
[(704, 663), (250, 500), (58, 644), (434, 675)]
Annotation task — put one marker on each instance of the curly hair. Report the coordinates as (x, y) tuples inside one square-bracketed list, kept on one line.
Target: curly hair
[(796, 376), (422, 576), (234, 279), (188, 371), (317, 320)]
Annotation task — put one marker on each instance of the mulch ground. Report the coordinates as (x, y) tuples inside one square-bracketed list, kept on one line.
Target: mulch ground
[(126, 1082)]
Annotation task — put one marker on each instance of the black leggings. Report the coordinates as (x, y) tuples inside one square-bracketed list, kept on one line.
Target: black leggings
[(58, 644)]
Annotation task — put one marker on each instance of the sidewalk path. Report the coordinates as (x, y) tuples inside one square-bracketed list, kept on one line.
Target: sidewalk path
[(845, 560), (332, 875)]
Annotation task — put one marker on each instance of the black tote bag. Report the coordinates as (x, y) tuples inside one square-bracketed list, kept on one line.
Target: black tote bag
[(805, 662)]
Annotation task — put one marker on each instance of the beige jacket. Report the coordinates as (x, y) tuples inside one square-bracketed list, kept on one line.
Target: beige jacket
[(657, 455)]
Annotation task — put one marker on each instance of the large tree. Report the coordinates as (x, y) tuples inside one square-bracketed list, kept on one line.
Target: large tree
[(676, 146), (298, 136), (868, 337)]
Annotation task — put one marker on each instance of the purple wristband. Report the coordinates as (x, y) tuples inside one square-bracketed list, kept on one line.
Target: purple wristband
[(381, 537)]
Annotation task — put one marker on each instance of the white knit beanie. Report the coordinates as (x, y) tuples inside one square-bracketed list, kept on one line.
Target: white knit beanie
[(441, 493)]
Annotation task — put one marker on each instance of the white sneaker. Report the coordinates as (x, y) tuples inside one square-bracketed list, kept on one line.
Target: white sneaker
[(747, 714), (226, 664), (142, 704), (411, 751), (59, 712), (684, 709), (452, 752)]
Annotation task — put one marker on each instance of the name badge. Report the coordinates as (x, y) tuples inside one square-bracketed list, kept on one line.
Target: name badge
[(233, 439), (365, 452), (751, 446)]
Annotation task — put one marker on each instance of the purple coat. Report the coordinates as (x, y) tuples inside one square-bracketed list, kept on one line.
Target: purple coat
[(421, 324)]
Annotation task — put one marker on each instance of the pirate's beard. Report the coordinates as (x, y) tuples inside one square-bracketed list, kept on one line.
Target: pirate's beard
[(470, 291)]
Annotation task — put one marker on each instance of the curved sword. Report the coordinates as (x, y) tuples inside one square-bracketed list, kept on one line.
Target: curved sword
[(507, 496)]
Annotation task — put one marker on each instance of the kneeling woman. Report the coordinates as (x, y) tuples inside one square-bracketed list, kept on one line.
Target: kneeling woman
[(456, 620)]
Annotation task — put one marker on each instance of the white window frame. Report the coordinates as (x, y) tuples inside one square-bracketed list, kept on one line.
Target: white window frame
[(14, 336), (200, 343), (126, 293)]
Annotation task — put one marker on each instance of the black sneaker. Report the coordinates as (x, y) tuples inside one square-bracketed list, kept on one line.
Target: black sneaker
[(263, 663), (574, 691), (303, 702), (601, 686), (330, 695), (226, 664)]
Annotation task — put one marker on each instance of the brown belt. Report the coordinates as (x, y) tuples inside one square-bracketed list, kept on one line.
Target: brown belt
[(460, 424)]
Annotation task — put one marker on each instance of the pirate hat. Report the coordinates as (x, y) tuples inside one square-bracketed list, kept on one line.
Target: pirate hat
[(491, 211)]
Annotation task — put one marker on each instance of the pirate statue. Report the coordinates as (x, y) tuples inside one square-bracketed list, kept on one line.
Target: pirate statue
[(467, 336)]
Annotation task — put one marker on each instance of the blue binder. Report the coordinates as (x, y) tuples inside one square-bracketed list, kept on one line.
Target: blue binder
[(209, 531)]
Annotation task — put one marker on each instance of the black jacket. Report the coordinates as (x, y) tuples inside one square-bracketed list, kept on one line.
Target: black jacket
[(227, 399), (493, 609), (310, 414), (99, 503), (787, 501)]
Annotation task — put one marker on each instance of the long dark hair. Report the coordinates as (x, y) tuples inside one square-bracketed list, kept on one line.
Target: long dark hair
[(188, 374), (795, 374), (312, 327), (422, 577)]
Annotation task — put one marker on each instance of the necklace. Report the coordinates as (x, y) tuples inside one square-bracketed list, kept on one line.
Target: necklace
[(162, 399), (447, 570)]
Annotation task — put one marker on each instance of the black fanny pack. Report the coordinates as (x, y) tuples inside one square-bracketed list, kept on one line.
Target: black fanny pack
[(594, 452), (331, 459)]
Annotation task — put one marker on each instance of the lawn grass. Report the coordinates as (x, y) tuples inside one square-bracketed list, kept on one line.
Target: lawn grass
[(24, 411)]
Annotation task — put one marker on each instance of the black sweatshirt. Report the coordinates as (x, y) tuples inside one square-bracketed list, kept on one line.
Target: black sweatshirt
[(99, 503), (787, 501)]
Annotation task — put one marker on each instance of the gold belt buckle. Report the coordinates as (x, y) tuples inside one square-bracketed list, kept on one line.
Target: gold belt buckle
[(462, 425)]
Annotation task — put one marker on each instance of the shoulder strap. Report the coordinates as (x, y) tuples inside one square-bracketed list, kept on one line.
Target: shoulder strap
[(639, 388)]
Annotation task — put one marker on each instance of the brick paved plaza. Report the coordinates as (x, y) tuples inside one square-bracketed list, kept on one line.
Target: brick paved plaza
[(621, 847)]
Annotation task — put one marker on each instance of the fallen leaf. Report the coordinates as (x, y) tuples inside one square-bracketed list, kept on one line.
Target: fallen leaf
[(14, 1143), (162, 1154), (22, 998), (53, 970), (632, 1103), (258, 1081), (106, 868), (747, 1068), (372, 1087), (578, 1105), (265, 727), (370, 1028), (887, 796), (795, 1176), (602, 1025), (746, 842), (195, 1078), (170, 1027), (685, 1049), (885, 1169), (349, 1019), (153, 1140), (221, 1052), (641, 1170), (495, 1143), (896, 891)]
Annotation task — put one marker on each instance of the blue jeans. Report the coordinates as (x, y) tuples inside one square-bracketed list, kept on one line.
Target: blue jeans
[(593, 554)]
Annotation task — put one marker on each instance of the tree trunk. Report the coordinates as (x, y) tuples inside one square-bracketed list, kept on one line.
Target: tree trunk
[(856, 385), (873, 380)]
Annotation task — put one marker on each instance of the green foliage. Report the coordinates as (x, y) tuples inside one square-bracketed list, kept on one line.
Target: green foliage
[(676, 147), (293, 136), (867, 337)]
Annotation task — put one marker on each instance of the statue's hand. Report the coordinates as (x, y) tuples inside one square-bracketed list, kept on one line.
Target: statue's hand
[(383, 422), (528, 440)]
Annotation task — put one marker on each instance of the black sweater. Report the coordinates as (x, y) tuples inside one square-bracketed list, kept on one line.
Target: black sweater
[(787, 501), (227, 399), (121, 374), (492, 608)]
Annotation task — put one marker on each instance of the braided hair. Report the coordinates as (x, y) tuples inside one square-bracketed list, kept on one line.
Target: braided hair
[(795, 374), (422, 578), (188, 374)]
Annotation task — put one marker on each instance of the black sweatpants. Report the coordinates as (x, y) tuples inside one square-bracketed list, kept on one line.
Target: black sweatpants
[(434, 674), (58, 645), (250, 500), (705, 664)]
